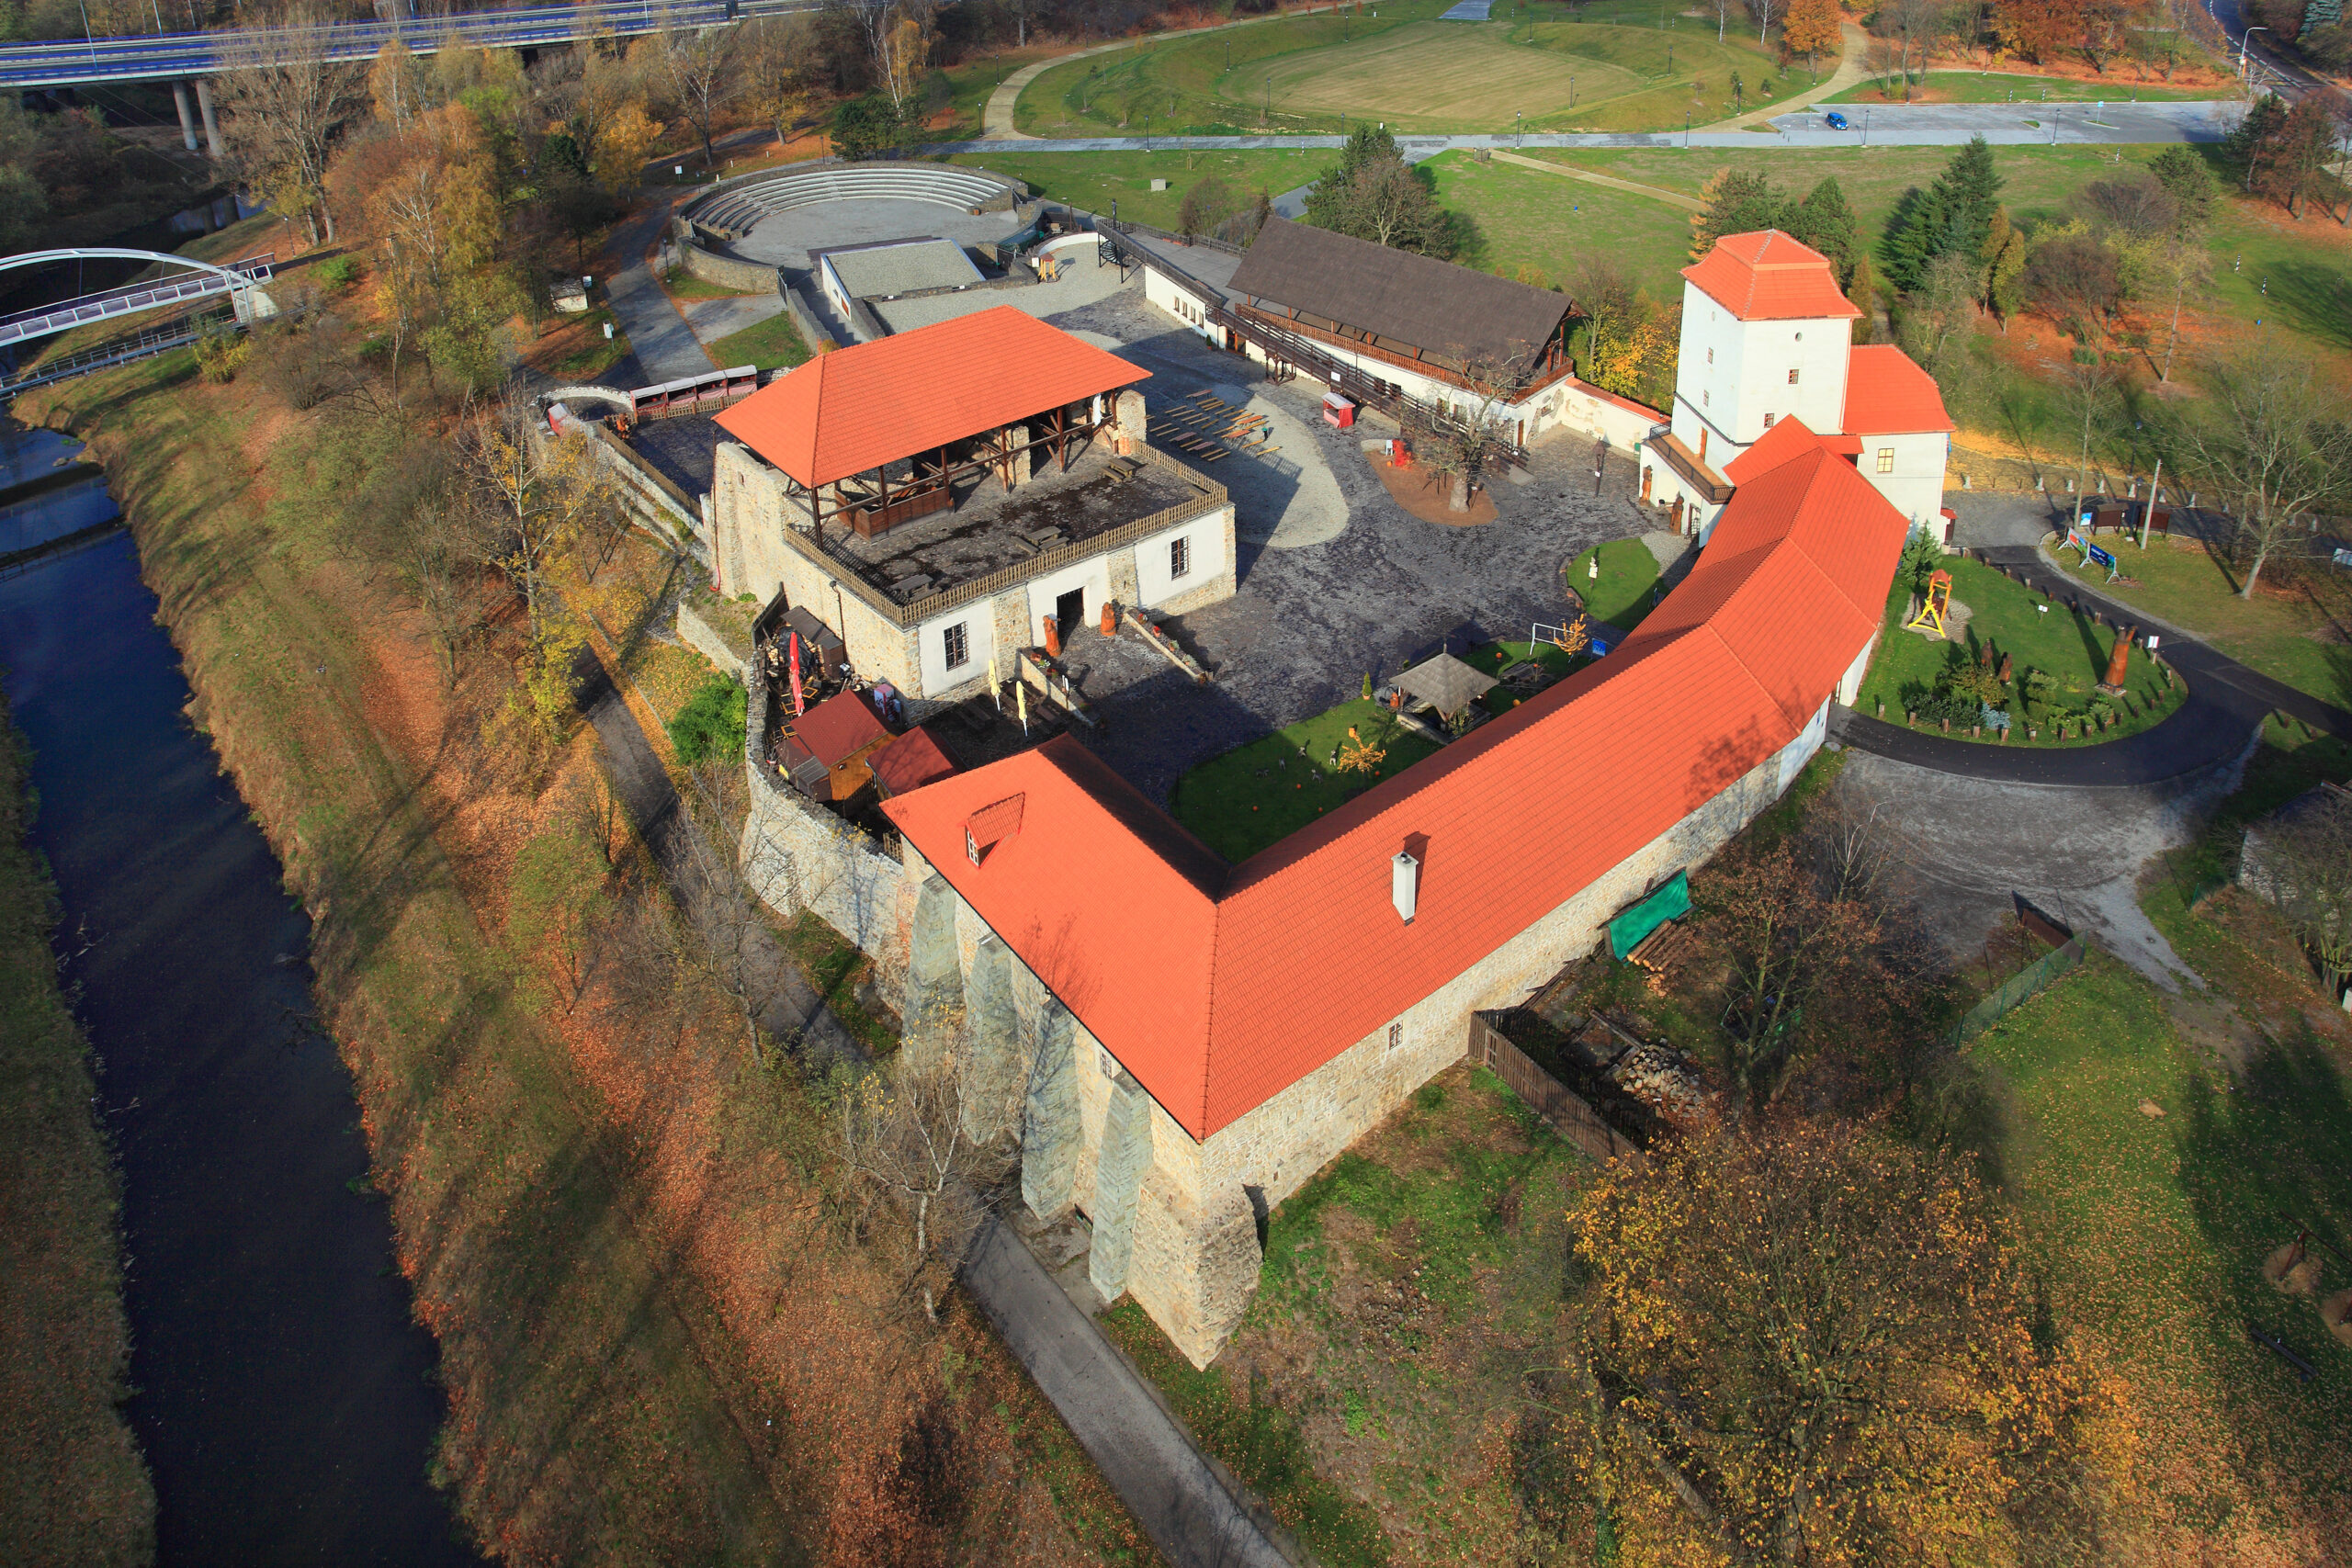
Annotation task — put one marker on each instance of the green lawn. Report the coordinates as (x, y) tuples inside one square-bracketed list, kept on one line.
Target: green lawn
[(1621, 594), (1405, 1289), (2152, 1228), (772, 344), (1256, 794), (1544, 66), (1091, 181), (2296, 628), (680, 284), (2000, 88), (2065, 643)]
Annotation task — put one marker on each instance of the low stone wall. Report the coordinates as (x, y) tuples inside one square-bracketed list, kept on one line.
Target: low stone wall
[(725, 272), (797, 855)]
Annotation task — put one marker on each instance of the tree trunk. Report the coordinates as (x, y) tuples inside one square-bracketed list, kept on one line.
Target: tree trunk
[(1458, 494)]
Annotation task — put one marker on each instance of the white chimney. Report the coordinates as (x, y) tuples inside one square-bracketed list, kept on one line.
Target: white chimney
[(1404, 884)]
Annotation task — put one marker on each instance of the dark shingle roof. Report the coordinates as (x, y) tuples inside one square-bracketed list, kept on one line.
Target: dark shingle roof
[(1447, 312)]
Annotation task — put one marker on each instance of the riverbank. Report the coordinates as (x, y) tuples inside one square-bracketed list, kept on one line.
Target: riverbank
[(661, 1334), (72, 1486)]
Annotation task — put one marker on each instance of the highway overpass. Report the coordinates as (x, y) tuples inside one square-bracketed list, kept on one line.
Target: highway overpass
[(180, 57)]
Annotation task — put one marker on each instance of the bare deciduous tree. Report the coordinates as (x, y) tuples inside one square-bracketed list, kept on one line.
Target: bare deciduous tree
[(288, 102), (2276, 441), (703, 68)]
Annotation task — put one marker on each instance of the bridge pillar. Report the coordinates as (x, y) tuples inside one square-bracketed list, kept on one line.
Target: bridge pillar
[(188, 114), (211, 122)]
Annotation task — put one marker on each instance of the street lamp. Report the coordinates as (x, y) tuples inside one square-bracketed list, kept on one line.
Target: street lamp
[(1515, 117), (2245, 48)]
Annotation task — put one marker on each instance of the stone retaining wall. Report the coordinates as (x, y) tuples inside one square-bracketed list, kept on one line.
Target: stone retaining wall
[(725, 272)]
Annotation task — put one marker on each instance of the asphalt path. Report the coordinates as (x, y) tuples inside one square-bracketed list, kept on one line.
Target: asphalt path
[(1181, 1501)]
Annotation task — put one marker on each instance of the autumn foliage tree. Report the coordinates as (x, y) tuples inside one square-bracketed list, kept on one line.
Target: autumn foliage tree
[(1810, 1344), (1812, 29)]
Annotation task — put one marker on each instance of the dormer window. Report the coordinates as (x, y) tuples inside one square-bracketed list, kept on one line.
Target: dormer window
[(990, 826)]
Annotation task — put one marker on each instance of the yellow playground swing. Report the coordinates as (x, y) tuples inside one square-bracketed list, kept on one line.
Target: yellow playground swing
[(1930, 617)]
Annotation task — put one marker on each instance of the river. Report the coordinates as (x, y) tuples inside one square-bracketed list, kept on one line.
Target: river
[(285, 1398)]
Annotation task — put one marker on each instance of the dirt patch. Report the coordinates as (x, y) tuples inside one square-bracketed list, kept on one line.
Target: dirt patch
[(1422, 492)]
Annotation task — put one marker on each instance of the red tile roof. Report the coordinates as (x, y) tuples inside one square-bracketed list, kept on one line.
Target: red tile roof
[(1768, 276), (1220, 985), (857, 407), (838, 728), (1790, 437), (910, 762), (1888, 394)]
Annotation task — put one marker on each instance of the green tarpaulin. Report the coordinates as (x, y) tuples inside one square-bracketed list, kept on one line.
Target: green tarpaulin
[(1625, 932)]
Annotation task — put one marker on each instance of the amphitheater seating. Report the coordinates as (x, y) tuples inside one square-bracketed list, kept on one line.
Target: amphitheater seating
[(731, 211)]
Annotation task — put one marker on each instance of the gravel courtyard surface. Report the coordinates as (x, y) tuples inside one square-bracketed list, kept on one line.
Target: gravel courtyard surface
[(1335, 577)]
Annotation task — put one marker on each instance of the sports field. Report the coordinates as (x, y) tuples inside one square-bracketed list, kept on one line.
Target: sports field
[(1537, 66)]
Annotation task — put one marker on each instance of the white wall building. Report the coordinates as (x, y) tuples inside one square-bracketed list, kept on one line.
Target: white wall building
[(1767, 335)]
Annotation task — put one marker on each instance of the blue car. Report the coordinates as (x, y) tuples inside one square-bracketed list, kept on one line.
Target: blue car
[(1837, 121)]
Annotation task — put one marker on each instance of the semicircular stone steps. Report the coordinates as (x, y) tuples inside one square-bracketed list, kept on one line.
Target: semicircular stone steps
[(729, 213)]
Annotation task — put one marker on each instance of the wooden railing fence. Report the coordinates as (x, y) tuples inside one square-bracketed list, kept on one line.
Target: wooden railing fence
[(1566, 1112)]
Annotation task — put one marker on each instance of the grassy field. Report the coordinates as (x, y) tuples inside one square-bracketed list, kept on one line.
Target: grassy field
[(2296, 628), (1258, 794), (2038, 636), (1545, 66), (72, 1488), (772, 344), (1372, 1390), (2156, 1160), (2001, 88), (1091, 181)]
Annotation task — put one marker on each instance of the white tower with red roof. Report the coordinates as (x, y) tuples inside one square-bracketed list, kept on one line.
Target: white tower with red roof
[(1767, 335)]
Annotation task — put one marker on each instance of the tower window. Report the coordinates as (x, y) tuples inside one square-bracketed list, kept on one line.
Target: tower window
[(1792, 378), (1769, 419), (1180, 557), (1710, 357), (1886, 459), (956, 646)]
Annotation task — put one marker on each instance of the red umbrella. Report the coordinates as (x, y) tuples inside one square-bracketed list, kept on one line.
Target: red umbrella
[(798, 706)]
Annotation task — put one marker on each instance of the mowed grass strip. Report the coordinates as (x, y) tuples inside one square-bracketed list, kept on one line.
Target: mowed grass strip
[(1091, 181), (2003, 87), (1430, 74), (1260, 794), (772, 344)]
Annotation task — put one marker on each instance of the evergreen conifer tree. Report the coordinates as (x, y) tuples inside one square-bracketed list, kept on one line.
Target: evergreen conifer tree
[(1738, 204), (2189, 180), (1825, 221)]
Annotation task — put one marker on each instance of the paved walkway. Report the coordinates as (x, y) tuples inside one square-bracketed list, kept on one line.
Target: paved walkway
[(997, 116), (663, 346), (1179, 1498), (1853, 67)]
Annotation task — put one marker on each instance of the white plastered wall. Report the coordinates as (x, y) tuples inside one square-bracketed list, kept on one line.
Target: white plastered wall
[(1207, 539), (1916, 488), (979, 620), (1093, 576)]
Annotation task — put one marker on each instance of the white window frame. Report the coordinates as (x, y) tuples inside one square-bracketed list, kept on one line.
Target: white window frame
[(951, 655), (1886, 459), (1180, 557)]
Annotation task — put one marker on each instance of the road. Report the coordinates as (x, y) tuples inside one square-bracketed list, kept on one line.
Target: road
[(1892, 125), (163, 56), (2266, 68)]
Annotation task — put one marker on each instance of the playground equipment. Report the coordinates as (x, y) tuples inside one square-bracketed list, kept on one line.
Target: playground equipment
[(1934, 606), (1573, 638)]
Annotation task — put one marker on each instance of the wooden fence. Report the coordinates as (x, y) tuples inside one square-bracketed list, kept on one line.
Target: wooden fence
[(1566, 1112)]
